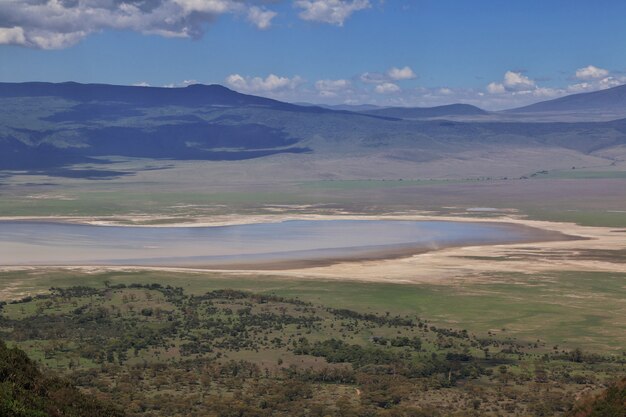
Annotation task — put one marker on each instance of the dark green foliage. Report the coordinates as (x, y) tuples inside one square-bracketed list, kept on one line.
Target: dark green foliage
[(158, 352), (26, 392), (611, 403), (337, 351)]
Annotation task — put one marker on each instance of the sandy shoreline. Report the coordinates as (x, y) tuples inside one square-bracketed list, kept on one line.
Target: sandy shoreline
[(444, 265), (241, 219)]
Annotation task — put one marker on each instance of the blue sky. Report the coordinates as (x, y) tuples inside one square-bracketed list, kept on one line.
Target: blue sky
[(495, 54)]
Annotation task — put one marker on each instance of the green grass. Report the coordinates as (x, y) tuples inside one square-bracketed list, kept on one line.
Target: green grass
[(597, 218), (129, 202), (586, 201), (570, 308)]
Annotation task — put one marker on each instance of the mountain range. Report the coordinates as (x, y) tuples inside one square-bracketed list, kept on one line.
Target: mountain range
[(45, 127)]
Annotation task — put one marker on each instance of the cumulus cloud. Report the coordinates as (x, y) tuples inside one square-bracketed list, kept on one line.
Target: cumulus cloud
[(390, 76), (518, 89), (53, 24), (334, 12), (496, 88), (512, 82), (261, 17), (269, 84), (591, 73), (387, 88), (398, 74), (516, 81), (14, 35), (593, 85), (593, 78), (331, 88)]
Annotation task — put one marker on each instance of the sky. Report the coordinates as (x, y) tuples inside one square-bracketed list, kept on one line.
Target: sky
[(492, 53)]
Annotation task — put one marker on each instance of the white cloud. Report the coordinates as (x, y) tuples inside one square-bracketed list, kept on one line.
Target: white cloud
[(516, 81), (387, 88), (141, 84), (208, 6), (392, 75), (271, 83), (496, 88), (591, 73), (579, 87), (334, 12), (332, 85), (55, 24), (14, 35), (398, 74), (609, 82), (517, 89), (593, 78), (261, 17), (331, 88), (596, 84)]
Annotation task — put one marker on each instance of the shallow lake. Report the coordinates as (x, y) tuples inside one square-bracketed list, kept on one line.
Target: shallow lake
[(246, 246)]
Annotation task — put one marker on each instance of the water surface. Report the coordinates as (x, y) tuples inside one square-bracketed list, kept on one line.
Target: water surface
[(249, 245)]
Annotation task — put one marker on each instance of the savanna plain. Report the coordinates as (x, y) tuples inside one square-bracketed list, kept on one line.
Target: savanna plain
[(533, 328), (526, 326)]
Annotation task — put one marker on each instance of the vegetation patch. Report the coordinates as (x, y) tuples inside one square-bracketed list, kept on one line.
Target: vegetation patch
[(157, 350)]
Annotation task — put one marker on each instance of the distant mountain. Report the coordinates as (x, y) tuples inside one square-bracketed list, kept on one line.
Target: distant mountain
[(51, 128), (357, 108), (191, 96), (428, 112), (611, 100)]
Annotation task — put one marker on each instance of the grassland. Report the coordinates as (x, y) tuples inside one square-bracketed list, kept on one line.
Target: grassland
[(164, 351), (573, 309), (191, 190), (560, 311)]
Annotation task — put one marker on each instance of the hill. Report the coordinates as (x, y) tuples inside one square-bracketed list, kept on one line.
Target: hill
[(355, 108), (611, 100), (428, 112), (191, 96), (162, 351), (26, 392), (50, 128), (610, 403)]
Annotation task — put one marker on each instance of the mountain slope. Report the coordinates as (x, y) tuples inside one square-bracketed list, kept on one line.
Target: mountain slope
[(612, 99), (428, 112), (610, 403), (46, 127), (191, 96), (26, 392)]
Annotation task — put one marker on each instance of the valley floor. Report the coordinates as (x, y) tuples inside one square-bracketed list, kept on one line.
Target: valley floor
[(553, 313)]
